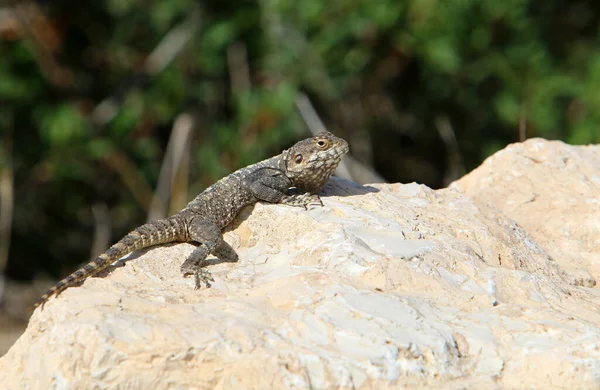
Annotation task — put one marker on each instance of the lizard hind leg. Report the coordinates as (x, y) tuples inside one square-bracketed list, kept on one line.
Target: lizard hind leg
[(209, 236), (225, 253), (194, 265)]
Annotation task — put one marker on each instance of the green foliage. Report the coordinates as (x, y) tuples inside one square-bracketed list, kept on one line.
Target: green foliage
[(60, 126)]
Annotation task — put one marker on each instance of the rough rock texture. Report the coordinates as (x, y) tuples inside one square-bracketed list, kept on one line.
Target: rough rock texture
[(385, 286), (553, 191)]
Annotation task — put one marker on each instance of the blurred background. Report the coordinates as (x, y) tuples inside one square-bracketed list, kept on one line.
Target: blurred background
[(114, 112)]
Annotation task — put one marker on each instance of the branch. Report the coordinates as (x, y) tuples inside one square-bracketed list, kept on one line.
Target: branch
[(177, 152)]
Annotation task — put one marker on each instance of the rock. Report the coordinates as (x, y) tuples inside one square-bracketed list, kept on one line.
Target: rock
[(553, 191), (386, 286)]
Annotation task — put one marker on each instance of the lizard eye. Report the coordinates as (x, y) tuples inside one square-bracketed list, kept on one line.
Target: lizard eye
[(298, 159), (322, 143)]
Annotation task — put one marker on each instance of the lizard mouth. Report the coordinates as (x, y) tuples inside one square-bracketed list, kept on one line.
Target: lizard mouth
[(341, 149), (345, 148)]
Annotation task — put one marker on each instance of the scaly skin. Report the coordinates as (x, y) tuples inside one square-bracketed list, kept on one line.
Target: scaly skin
[(305, 167)]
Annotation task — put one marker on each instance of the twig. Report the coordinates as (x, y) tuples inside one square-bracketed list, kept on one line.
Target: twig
[(362, 173), (172, 44), (350, 108), (456, 168), (309, 114), (523, 125), (131, 176), (102, 229), (177, 149), (239, 71), (179, 187)]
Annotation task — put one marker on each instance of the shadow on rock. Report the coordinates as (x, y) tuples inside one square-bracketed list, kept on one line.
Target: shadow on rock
[(343, 187)]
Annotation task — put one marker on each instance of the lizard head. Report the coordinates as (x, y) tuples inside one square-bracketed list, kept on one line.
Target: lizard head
[(310, 163)]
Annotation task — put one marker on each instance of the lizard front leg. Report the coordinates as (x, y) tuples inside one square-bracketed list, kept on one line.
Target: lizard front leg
[(272, 185)]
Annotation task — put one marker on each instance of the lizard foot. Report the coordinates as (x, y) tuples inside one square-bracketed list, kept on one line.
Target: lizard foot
[(201, 276), (302, 200)]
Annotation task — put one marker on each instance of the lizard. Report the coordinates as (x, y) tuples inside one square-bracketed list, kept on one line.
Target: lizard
[(292, 178)]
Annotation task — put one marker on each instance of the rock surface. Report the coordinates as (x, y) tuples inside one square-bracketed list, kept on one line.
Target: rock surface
[(553, 191), (385, 286)]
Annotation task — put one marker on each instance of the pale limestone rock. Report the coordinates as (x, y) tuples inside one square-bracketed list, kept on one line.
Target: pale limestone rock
[(386, 286), (553, 191)]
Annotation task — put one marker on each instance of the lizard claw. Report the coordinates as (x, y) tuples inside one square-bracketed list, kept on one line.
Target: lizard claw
[(303, 200), (202, 276)]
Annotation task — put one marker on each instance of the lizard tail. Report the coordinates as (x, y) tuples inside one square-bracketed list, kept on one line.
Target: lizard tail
[(153, 233)]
